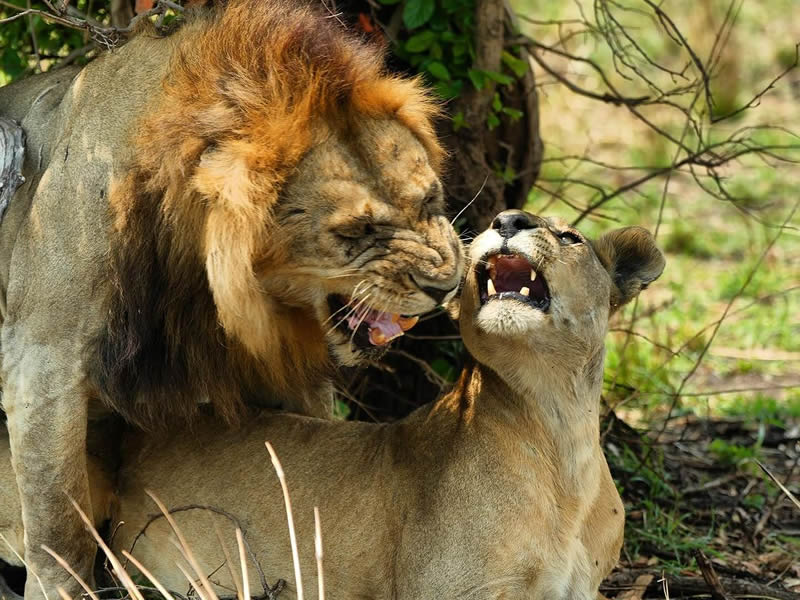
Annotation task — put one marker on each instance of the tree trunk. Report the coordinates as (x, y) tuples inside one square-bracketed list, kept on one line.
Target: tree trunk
[(479, 154)]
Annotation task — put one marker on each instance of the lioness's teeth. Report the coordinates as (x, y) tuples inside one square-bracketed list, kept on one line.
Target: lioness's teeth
[(490, 287), (533, 275), (525, 291)]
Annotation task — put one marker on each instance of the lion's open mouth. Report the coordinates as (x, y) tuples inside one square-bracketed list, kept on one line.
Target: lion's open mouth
[(366, 326), (512, 276)]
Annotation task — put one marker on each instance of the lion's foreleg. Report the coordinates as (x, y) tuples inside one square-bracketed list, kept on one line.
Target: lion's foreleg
[(46, 411)]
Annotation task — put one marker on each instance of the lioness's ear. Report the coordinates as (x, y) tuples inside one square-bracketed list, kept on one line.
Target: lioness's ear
[(632, 259)]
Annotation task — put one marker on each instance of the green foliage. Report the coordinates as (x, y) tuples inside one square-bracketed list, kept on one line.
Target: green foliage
[(764, 409), (734, 455), (18, 56), (438, 40), (684, 240)]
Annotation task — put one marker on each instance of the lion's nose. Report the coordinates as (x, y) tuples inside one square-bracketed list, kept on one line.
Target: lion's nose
[(510, 222)]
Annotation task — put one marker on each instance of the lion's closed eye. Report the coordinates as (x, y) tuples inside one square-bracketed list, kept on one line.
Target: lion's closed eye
[(355, 230)]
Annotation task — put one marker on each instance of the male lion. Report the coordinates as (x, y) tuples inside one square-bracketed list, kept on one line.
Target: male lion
[(498, 490), (206, 216)]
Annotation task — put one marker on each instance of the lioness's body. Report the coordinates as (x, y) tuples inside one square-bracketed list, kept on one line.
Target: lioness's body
[(192, 205), (460, 500)]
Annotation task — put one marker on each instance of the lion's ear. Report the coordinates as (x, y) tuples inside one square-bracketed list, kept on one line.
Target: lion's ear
[(632, 260), (235, 227)]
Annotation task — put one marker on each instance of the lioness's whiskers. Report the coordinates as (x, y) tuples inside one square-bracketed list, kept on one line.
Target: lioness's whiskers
[(475, 197)]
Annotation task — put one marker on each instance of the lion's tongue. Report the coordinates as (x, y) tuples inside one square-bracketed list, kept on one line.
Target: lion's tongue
[(383, 327)]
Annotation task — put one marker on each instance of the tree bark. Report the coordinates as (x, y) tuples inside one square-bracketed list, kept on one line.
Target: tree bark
[(477, 153)]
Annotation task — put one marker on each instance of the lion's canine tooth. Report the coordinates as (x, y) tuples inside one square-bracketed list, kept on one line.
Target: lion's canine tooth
[(525, 291), (407, 323), (490, 287), (377, 337), (533, 275)]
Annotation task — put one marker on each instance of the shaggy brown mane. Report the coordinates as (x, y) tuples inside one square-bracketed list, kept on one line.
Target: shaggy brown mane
[(250, 88)]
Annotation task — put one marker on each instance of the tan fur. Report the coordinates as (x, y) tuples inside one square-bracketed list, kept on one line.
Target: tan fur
[(498, 490), (189, 207)]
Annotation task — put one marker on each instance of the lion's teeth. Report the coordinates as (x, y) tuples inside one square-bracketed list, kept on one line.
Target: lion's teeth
[(407, 323), (525, 291), (490, 287), (377, 337), (533, 275)]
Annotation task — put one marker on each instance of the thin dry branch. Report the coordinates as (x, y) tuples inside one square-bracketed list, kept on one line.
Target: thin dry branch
[(105, 36)]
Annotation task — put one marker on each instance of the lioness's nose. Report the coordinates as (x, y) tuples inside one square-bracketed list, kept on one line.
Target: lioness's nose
[(510, 222)]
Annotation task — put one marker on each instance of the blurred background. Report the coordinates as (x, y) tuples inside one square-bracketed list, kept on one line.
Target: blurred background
[(680, 116)]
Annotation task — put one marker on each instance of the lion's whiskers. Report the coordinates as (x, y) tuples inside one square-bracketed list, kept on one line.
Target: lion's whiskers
[(353, 310), (360, 321), (349, 303)]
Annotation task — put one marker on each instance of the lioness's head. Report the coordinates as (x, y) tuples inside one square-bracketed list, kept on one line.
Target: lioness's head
[(538, 287)]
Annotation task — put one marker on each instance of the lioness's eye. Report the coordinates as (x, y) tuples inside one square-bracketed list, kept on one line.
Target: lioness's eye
[(568, 237)]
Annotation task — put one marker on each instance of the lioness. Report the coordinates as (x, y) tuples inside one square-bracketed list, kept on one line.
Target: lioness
[(498, 490), (220, 214)]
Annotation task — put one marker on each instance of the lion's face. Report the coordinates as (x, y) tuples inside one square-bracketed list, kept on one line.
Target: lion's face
[(539, 286), (366, 243)]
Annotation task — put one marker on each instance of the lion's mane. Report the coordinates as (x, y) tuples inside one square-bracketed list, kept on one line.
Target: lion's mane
[(250, 87)]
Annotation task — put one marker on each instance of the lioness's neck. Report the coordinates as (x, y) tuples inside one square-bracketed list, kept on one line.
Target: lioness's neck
[(556, 413)]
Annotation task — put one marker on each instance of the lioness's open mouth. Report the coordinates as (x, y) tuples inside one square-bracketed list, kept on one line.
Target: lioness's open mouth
[(367, 326), (511, 276)]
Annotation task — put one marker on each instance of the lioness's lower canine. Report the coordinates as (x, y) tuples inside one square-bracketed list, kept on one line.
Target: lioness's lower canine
[(498, 490), (217, 215)]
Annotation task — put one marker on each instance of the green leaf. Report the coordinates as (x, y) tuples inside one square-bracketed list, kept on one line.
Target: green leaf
[(492, 120), (420, 41), (478, 78), (417, 12), (436, 51), (459, 121), (519, 66), (515, 114), (497, 104), (438, 70), (389, 2), (444, 369), (12, 63), (500, 78), (449, 89)]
